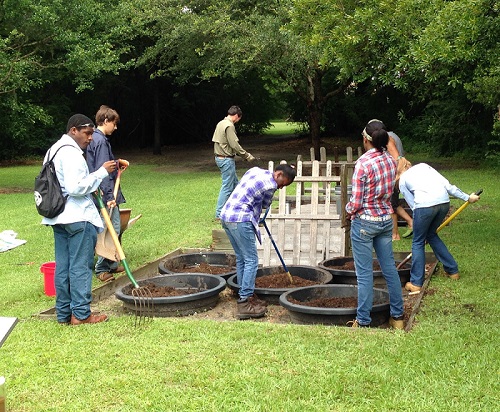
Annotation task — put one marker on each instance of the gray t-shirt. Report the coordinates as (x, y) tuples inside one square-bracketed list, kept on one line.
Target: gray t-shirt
[(397, 141)]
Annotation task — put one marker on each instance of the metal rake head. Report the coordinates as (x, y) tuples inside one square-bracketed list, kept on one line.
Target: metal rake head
[(144, 305)]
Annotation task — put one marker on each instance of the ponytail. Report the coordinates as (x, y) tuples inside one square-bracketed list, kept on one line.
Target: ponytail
[(375, 132)]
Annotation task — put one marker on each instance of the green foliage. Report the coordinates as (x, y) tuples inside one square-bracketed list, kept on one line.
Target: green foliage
[(43, 47), (215, 39), (434, 51), (447, 128), (493, 153), (327, 63)]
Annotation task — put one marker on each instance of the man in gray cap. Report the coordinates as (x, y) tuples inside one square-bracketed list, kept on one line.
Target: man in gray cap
[(76, 227)]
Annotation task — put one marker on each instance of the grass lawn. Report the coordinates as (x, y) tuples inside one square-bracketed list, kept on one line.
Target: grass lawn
[(448, 362), (279, 128)]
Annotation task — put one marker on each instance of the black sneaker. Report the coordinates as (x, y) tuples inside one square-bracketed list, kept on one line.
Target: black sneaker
[(248, 308)]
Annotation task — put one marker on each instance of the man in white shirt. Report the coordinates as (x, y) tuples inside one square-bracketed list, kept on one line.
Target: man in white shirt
[(76, 227)]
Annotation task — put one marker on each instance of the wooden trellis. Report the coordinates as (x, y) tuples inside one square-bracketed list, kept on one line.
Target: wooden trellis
[(307, 227)]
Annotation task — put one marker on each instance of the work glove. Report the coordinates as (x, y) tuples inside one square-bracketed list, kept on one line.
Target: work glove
[(473, 198), (250, 158)]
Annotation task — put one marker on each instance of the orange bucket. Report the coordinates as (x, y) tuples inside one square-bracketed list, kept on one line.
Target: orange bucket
[(48, 269)]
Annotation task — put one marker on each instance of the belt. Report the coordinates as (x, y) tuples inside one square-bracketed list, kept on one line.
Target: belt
[(223, 157), (375, 218)]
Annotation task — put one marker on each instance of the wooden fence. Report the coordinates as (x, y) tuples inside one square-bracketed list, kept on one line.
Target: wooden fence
[(307, 226)]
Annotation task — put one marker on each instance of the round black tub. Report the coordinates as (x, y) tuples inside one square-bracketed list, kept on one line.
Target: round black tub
[(184, 263), (271, 295), (332, 316), (208, 288), (348, 277)]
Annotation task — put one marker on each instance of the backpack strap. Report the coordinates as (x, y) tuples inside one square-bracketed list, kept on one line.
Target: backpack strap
[(49, 159)]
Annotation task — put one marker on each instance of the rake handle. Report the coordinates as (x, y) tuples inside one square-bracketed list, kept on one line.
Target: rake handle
[(114, 236)]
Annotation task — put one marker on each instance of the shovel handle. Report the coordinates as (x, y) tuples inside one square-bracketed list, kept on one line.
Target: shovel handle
[(265, 215), (117, 183), (459, 210), (263, 220), (121, 165), (402, 263), (111, 229)]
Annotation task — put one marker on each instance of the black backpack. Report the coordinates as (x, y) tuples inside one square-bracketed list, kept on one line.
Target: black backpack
[(49, 200)]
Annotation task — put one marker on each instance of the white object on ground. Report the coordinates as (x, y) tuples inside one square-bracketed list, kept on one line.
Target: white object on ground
[(8, 240)]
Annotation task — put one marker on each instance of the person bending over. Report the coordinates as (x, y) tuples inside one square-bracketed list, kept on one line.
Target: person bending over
[(240, 219), (427, 193)]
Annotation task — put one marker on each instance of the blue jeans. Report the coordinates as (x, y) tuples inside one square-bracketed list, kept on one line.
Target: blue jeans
[(227, 168), (103, 264), (426, 220), (366, 236), (74, 249), (242, 238)]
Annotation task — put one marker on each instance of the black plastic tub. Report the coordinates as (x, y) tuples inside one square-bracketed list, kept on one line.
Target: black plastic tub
[(208, 286), (271, 295), (183, 263), (303, 314), (348, 277)]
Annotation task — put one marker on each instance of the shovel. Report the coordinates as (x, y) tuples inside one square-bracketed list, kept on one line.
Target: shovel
[(263, 221), (105, 243), (445, 223), (122, 164)]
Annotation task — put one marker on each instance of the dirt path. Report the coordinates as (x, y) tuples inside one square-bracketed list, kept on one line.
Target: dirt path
[(175, 159)]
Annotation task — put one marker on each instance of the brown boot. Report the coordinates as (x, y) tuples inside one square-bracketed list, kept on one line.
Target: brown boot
[(91, 319), (397, 323), (453, 276), (259, 301), (410, 287), (105, 277), (355, 324), (248, 308)]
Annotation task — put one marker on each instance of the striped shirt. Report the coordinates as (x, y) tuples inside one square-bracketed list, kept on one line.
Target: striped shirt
[(372, 184), (253, 193)]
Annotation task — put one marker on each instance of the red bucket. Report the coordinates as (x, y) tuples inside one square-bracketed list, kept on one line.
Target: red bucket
[(48, 269)]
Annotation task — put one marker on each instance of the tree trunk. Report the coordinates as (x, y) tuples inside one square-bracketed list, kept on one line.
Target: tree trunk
[(315, 103), (315, 114), (157, 135)]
